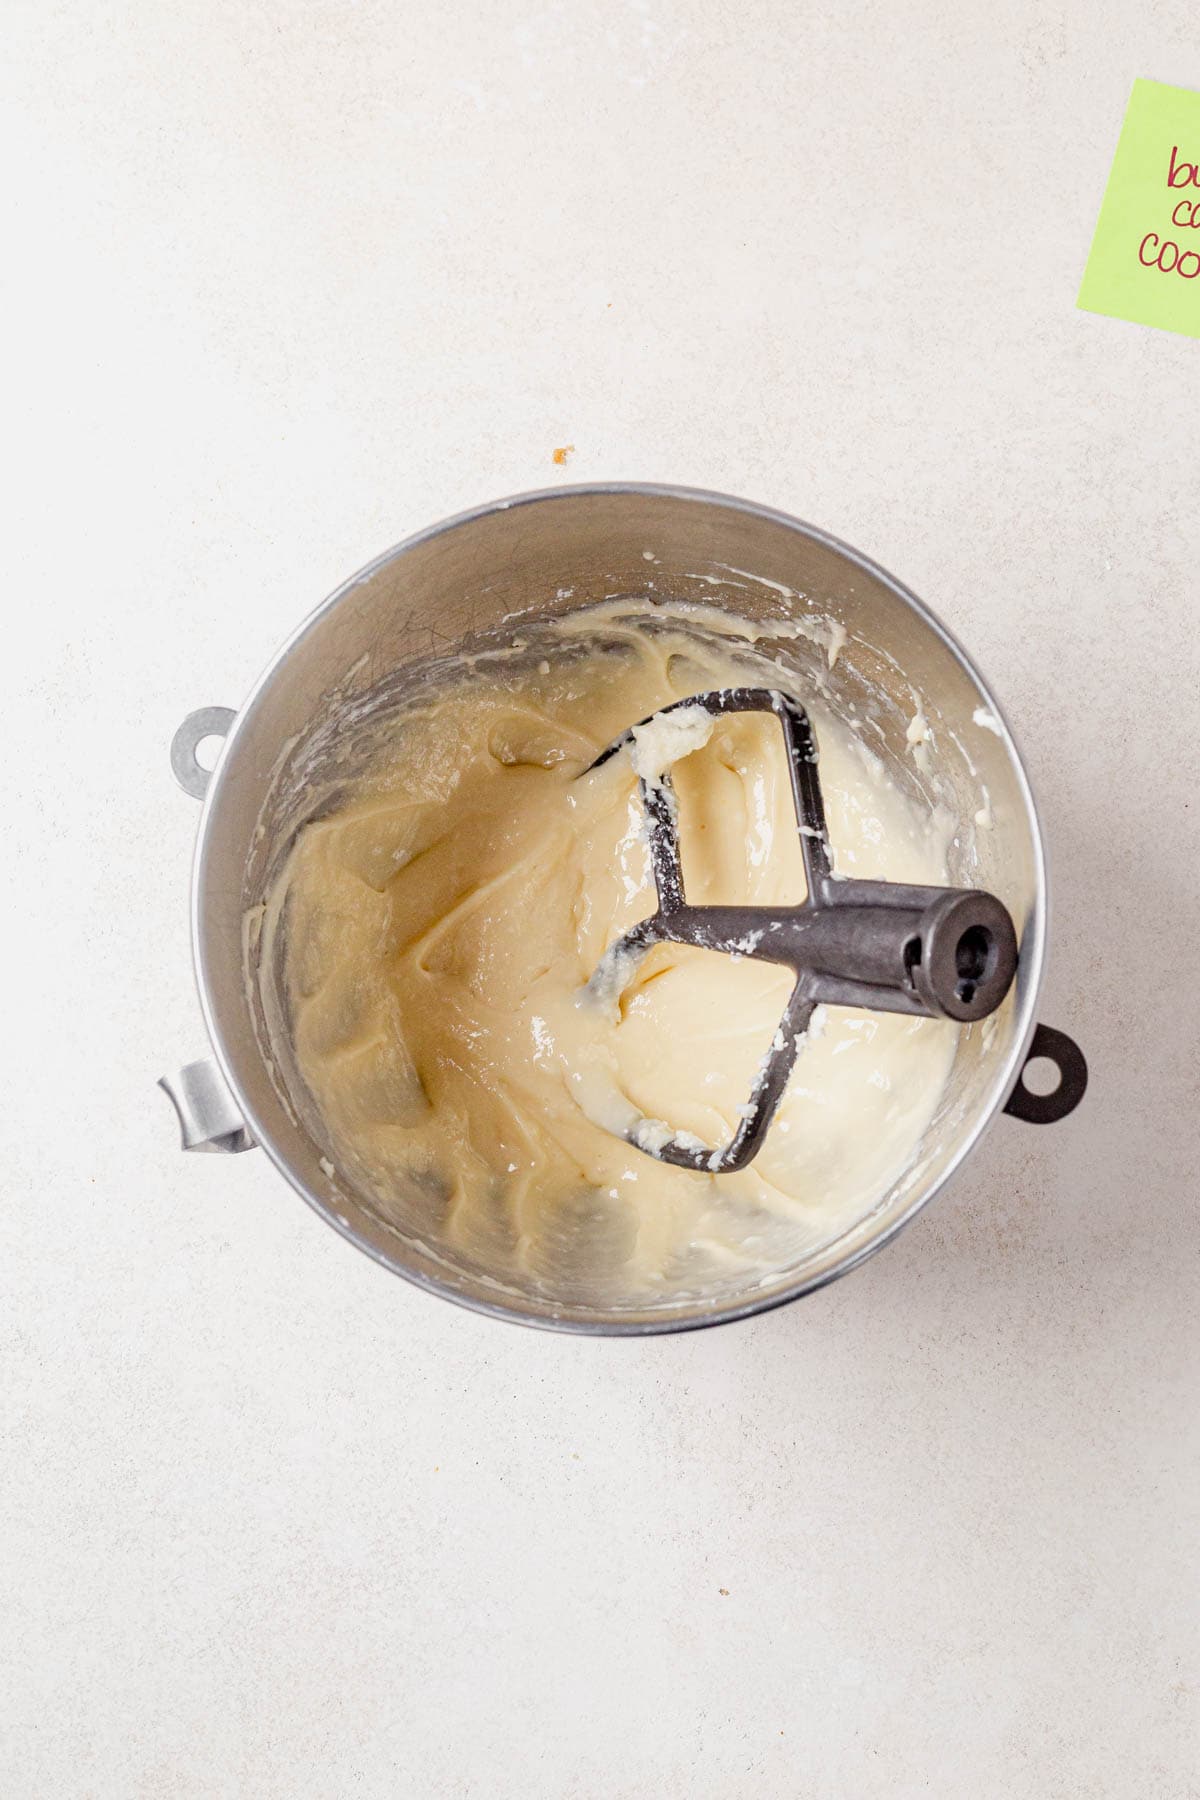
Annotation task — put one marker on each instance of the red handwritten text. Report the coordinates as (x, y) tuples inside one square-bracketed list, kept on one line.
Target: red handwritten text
[(1188, 173), (1168, 257)]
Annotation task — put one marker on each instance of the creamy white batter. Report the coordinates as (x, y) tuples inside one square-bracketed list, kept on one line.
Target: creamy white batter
[(438, 924)]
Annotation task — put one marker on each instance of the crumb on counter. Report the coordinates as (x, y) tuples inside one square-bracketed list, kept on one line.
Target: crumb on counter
[(562, 453)]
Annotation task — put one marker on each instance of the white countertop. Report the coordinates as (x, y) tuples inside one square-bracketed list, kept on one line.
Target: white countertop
[(291, 282)]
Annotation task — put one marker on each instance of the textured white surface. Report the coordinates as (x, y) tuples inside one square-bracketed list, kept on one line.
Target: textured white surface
[(287, 282)]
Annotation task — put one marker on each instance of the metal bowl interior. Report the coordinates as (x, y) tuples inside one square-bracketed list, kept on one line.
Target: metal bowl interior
[(531, 558)]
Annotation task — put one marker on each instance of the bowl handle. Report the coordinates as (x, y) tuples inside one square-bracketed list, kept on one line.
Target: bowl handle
[(1064, 1052), (209, 721), (209, 1116)]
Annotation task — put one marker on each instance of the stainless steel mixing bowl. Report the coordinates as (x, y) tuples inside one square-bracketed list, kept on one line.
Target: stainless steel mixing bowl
[(530, 558)]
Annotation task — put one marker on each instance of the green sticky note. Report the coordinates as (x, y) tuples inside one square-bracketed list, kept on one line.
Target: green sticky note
[(1145, 259)]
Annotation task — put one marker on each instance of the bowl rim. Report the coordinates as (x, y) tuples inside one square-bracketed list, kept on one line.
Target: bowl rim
[(1034, 937)]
